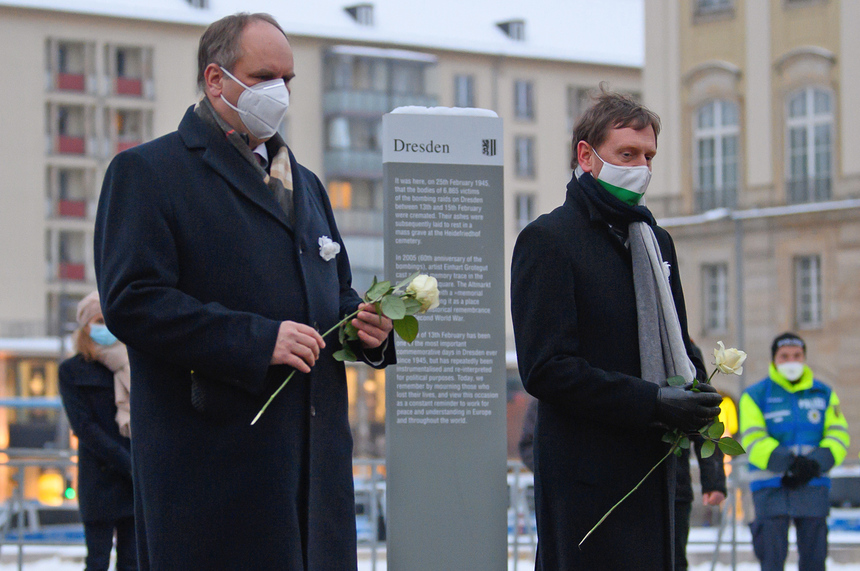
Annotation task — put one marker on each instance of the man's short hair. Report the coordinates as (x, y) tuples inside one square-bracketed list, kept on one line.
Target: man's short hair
[(221, 43), (611, 110)]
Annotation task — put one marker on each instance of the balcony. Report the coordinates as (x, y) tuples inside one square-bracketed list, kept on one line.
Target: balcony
[(69, 145), (349, 163), (72, 208), (71, 271), (132, 86), (127, 144), (369, 103), (71, 82)]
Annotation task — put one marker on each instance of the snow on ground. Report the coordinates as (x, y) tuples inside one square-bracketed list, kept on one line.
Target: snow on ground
[(70, 558)]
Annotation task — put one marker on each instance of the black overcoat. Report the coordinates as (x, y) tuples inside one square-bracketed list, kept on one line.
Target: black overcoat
[(575, 325), (197, 265), (104, 458)]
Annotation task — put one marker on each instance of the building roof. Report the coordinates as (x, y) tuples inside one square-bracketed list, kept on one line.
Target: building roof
[(609, 32)]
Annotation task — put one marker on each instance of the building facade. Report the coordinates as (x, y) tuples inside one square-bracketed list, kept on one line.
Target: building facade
[(90, 83), (757, 176)]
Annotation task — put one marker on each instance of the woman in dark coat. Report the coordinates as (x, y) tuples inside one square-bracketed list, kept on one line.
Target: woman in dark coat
[(105, 492)]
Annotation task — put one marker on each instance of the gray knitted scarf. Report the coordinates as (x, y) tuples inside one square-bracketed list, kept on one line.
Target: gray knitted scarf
[(662, 353), (661, 345)]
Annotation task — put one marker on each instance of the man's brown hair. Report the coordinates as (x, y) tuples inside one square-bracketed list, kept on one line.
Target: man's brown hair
[(611, 110), (221, 43)]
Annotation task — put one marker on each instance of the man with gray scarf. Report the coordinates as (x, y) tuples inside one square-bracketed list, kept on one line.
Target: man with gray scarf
[(600, 325)]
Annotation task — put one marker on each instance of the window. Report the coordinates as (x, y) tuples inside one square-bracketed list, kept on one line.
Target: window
[(354, 133), (807, 291), (71, 256), (62, 312), (361, 13), (715, 137), (523, 100), (128, 71), (524, 209), (340, 194), (713, 6), (69, 192), (407, 78), (355, 194), (71, 66), (126, 128), (69, 127), (716, 307), (578, 102), (809, 145), (514, 29), (350, 72), (464, 91), (524, 147), (129, 124)]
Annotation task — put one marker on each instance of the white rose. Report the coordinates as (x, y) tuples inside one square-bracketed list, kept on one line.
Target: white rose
[(425, 290), (729, 361), (328, 248)]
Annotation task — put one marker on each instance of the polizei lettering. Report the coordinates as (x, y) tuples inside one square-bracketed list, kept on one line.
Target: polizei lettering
[(402, 146)]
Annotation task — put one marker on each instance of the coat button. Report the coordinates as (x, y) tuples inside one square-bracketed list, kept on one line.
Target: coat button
[(313, 411)]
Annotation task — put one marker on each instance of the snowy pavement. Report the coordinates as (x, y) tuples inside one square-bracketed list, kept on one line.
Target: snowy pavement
[(844, 550)]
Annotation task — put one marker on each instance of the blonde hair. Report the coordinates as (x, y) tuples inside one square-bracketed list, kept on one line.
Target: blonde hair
[(84, 344)]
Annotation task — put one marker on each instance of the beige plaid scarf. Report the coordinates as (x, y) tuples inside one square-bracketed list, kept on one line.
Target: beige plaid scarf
[(279, 179)]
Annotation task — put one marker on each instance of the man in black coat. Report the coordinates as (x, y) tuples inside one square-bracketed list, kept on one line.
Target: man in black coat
[(584, 345), (218, 263)]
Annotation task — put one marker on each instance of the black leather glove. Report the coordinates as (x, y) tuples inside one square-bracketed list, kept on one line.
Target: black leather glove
[(679, 407), (801, 471)]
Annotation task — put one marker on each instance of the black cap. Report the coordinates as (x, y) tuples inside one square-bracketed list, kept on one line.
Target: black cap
[(786, 339)]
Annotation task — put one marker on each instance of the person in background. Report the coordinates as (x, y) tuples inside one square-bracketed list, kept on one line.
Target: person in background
[(794, 432), (105, 492)]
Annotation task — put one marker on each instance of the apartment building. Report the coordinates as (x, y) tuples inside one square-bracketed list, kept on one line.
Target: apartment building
[(758, 175), (91, 79)]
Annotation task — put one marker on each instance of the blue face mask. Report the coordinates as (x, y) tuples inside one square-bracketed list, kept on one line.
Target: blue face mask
[(101, 335)]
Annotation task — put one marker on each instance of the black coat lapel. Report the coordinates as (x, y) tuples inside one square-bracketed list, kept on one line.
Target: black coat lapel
[(224, 159), (301, 204)]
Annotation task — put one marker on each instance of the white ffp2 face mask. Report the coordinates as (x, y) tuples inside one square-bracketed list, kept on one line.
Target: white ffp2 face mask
[(262, 106), (627, 184), (791, 370)]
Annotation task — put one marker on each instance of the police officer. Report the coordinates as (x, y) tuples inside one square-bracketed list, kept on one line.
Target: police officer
[(794, 432)]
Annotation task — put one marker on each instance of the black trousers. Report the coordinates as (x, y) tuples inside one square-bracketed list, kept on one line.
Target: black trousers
[(770, 542), (682, 531), (99, 538)]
